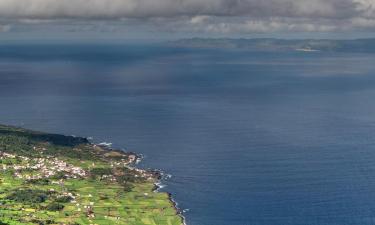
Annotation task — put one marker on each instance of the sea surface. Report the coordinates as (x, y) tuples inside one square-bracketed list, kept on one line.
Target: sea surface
[(250, 138)]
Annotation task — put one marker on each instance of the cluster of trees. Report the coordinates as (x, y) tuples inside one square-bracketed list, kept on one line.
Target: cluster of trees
[(124, 176), (41, 181), (131, 176), (80, 152), (99, 172), (33, 197), (56, 139), (59, 175), (127, 178), (15, 144), (22, 142), (55, 206), (28, 196), (9, 161), (64, 199)]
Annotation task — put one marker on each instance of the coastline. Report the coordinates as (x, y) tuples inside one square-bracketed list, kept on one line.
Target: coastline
[(158, 174), (159, 186)]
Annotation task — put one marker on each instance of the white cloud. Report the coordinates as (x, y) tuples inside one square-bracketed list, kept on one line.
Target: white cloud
[(266, 25), (199, 19), (166, 8), (223, 16), (363, 22)]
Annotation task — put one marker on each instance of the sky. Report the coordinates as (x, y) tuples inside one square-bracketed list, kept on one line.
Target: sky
[(153, 19)]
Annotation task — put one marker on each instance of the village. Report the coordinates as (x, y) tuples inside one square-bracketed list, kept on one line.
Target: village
[(46, 167), (41, 167)]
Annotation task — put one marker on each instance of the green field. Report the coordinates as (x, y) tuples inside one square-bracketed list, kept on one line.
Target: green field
[(55, 179)]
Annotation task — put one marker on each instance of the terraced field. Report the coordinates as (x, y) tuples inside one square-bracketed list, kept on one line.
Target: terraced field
[(55, 179)]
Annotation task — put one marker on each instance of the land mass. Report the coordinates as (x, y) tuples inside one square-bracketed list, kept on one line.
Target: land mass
[(270, 44), (57, 179)]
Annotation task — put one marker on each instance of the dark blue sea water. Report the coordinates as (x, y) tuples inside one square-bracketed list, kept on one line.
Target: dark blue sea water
[(251, 138)]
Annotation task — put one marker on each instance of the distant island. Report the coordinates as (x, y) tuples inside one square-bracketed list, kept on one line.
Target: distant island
[(269, 44), (57, 179)]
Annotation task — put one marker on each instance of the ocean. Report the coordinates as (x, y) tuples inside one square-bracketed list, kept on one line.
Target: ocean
[(249, 138)]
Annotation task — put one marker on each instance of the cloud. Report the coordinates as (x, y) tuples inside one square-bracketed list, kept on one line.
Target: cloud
[(199, 19), (5, 28), (244, 25), (42, 9), (222, 16)]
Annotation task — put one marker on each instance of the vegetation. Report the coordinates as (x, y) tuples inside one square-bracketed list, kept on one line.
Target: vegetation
[(56, 179), (54, 206), (64, 199), (99, 172), (28, 196)]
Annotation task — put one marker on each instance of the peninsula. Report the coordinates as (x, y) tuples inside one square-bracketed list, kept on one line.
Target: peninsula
[(56, 179), (280, 45)]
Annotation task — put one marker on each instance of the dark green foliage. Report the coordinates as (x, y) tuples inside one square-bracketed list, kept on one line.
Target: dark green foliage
[(130, 176), (28, 196), (126, 181), (54, 206), (15, 144), (77, 153), (128, 187), (126, 178), (42, 181), (64, 199), (103, 197), (31, 143), (98, 172), (58, 175), (8, 161), (55, 139), (40, 222), (22, 142)]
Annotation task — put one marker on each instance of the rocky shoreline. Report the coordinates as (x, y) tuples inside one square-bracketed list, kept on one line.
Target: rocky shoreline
[(158, 187), (157, 174)]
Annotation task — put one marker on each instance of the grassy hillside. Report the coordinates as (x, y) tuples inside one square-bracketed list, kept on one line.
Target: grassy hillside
[(56, 179)]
